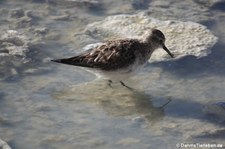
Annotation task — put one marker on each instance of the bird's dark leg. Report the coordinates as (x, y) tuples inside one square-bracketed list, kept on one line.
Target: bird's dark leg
[(110, 83), (126, 85), (169, 100)]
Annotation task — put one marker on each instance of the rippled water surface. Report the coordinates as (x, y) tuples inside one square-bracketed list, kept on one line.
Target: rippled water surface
[(46, 105)]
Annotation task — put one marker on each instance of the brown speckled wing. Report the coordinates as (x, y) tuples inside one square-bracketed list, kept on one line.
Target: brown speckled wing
[(109, 56)]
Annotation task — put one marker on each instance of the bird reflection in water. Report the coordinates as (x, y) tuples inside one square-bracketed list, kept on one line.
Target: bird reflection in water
[(117, 101)]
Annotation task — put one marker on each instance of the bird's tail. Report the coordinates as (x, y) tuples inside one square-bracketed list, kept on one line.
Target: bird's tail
[(56, 60), (75, 61), (68, 61)]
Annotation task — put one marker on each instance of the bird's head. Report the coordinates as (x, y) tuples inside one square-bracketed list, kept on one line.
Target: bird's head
[(156, 39)]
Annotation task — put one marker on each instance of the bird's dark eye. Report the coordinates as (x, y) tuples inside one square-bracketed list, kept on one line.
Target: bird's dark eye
[(160, 40)]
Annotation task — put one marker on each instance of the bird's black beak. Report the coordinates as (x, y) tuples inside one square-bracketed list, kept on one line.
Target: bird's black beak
[(165, 48)]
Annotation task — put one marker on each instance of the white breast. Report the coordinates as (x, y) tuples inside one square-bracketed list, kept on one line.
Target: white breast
[(122, 74)]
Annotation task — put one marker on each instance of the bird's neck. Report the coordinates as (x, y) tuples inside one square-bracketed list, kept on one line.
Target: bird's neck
[(149, 47), (147, 52)]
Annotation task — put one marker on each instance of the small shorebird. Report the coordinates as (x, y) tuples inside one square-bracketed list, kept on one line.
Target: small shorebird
[(119, 59)]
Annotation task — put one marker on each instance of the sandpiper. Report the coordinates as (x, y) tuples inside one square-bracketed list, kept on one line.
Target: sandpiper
[(117, 60)]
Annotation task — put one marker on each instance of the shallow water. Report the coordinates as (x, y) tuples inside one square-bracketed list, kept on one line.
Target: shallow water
[(46, 105)]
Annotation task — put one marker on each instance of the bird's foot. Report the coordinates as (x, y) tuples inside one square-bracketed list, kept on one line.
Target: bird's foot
[(110, 83), (123, 84)]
